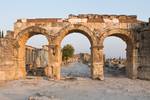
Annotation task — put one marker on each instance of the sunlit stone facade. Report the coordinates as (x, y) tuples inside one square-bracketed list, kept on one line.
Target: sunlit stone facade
[(95, 27)]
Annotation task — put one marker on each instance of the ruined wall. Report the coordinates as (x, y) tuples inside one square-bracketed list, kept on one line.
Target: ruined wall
[(36, 57), (30, 55), (85, 58), (8, 65), (144, 54)]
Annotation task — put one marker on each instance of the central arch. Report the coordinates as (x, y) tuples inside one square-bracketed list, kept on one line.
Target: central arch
[(75, 28), (61, 35), (125, 35), (21, 39)]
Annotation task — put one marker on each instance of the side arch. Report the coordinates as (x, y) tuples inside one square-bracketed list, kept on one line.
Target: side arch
[(124, 34), (26, 33), (131, 55), (21, 39)]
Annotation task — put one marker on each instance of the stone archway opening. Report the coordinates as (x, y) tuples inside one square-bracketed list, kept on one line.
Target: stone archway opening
[(22, 39), (36, 55), (115, 56), (79, 65), (127, 59), (56, 55)]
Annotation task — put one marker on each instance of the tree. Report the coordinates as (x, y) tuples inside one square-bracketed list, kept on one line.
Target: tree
[(67, 51)]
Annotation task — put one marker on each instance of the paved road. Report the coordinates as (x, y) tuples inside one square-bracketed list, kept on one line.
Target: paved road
[(81, 70)]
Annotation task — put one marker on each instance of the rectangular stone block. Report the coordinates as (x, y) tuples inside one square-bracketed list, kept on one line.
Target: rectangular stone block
[(2, 74), (144, 72)]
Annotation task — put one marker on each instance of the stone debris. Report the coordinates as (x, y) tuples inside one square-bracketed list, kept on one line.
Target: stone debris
[(39, 96), (42, 98)]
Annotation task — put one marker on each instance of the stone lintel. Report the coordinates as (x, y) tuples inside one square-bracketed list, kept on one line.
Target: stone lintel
[(40, 20), (102, 18)]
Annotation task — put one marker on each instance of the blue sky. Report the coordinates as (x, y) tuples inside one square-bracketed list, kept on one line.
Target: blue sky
[(11, 10)]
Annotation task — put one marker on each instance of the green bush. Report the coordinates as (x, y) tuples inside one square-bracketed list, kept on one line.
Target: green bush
[(67, 52)]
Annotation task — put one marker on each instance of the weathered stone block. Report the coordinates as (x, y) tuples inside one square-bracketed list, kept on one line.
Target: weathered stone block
[(144, 72), (97, 71)]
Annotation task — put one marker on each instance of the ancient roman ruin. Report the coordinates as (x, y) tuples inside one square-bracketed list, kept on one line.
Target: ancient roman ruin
[(96, 28)]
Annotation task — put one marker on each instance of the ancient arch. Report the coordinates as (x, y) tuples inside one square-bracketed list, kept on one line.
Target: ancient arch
[(127, 36), (74, 28), (56, 47), (94, 26), (21, 39), (96, 48)]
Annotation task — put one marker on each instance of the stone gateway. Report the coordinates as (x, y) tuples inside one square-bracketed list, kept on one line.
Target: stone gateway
[(95, 27)]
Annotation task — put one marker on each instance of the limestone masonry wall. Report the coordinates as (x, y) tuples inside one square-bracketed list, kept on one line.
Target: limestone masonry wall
[(8, 67), (144, 55)]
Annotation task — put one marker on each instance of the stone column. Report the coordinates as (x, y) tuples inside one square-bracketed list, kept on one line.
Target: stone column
[(97, 62), (54, 61)]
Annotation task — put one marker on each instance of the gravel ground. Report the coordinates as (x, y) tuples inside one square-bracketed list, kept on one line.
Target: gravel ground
[(79, 88)]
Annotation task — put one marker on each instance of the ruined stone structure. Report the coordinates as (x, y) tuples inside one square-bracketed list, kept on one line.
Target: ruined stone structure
[(95, 27), (36, 55), (85, 58)]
